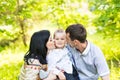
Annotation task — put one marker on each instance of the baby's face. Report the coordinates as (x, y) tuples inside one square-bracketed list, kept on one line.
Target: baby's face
[(60, 40)]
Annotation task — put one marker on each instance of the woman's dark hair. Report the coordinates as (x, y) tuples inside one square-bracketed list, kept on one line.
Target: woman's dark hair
[(38, 49), (77, 31)]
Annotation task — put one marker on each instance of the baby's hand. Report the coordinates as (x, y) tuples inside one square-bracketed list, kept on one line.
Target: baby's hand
[(51, 76), (61, 76)]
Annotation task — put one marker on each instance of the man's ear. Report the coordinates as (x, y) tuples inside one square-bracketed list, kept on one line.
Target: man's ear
[(75, 41)]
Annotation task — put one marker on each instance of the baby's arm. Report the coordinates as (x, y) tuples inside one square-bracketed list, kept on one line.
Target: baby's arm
[(51, 76), (65, 64), (58, 72), (61, 76)]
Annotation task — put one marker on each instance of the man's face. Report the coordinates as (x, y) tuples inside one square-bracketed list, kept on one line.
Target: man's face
[(69, 41)]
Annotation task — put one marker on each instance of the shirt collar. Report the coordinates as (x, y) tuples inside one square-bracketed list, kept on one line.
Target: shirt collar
[(85, 52)]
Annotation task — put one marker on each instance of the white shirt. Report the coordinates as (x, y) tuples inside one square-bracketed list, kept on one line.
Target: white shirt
[(58, 60)]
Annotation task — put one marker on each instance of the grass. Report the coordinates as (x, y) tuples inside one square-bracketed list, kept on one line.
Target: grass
[(10, 66), (115, 72), (11, 60)]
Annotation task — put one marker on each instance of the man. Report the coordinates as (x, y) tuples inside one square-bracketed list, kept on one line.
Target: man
[(87, 58)]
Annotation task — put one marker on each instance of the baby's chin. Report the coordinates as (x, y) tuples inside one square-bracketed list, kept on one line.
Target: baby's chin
[(60, 47)]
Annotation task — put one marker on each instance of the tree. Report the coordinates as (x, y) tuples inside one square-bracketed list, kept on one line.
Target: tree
[(17, 13), (107, 18), (14, 13), (107, 22)]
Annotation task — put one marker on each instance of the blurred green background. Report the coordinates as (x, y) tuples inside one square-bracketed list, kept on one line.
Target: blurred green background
[(19, 19)]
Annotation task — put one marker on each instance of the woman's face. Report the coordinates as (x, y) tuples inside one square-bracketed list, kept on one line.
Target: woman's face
[(50, 44)]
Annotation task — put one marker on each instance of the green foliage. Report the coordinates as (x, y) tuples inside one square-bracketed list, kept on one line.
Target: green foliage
[(22, 14), (12, 58), (61, 12), (11, 71), (107, 23), (11, 9), (111, 52), (18, 17), (107, 18), (6, 11), (109, 46), (7, 36)]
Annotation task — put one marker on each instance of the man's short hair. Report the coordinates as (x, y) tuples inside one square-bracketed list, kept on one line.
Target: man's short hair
[(77, 31)]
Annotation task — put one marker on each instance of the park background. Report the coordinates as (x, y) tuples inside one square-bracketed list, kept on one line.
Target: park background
[(19, 19)]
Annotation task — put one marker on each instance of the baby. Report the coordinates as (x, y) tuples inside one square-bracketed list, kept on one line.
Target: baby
[(58, 59)]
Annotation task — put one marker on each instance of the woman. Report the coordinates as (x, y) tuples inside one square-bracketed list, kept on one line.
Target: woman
[(35, 59)]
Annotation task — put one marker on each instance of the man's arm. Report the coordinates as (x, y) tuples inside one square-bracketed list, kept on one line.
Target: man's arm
[(106, 77), (102, 66)]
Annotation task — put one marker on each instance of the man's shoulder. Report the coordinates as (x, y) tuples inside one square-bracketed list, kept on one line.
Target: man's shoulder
[(93, 46), (94, 49), (69, 47)]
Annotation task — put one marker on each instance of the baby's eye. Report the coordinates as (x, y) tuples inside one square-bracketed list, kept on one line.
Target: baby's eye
[(56, 39), (62, 39), (50, 39)]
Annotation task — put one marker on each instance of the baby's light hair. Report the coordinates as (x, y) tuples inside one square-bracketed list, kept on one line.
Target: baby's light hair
[(58, 31)]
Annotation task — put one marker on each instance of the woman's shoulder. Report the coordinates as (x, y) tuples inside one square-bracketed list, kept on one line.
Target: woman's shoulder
[(33, 61)]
